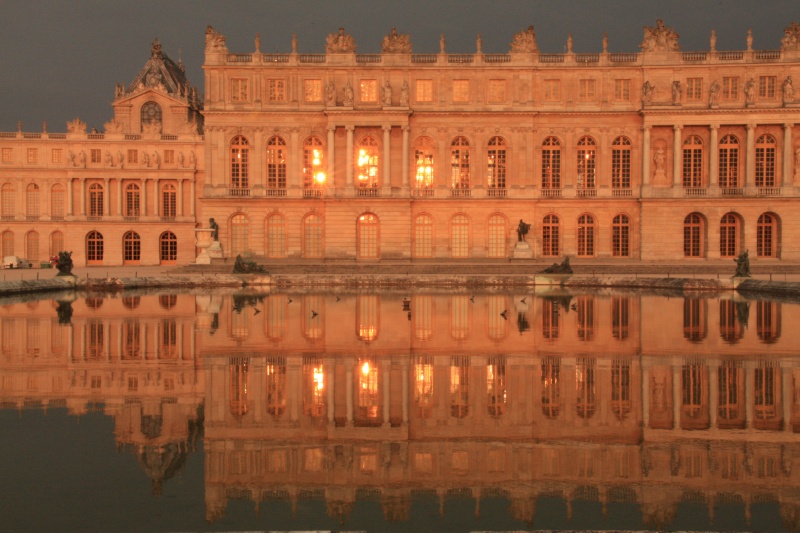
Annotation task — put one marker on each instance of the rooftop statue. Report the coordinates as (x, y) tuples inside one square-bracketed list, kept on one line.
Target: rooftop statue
[(340, 43), (524, 42), (215, 41), (791, 37), (396, 43), (76, 126), (659, 38)]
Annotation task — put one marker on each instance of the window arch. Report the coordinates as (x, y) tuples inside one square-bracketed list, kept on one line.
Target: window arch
[(312, 236), (367, 163), (32, 246), (131, 247), (693, 236), (423, 236), (620, 236), (551, 163), (8, 242), (621, 163), (367, 227), (56, 243), (550, 230), (169, 201), (240, 235), (32, 200), (767, 235), (729, 235), (94, 247), (587, 158), (496, 236), (459, 163), (496, 163), (586, 228), (765, 161), (7, 208), (133, 194), (693, 162), (96, 200), (168, 248), (276, 236), (313, 163), (150, 114), (240, 170), (57, 202), (729, 162), (276, 163), (459, 236), (423, 163)]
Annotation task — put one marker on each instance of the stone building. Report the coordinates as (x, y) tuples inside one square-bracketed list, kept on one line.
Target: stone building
[(656, 155)]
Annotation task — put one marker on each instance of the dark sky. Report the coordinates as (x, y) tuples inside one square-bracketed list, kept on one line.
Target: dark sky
[(60, 60)]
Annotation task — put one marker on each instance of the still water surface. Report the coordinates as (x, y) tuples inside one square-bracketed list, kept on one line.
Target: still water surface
[(399, 412)]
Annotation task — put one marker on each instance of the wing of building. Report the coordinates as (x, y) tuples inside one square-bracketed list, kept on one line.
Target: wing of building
[(648, 156)]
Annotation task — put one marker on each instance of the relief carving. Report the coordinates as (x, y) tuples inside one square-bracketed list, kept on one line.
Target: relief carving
[(340, 43), (396, 43), (659, 38), (647, 92)]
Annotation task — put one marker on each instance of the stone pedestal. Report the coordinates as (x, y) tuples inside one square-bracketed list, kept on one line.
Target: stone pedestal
[(203, 238), (215, 250), (522, 250)]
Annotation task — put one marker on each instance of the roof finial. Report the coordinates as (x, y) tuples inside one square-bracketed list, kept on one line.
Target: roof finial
[(156, 49)]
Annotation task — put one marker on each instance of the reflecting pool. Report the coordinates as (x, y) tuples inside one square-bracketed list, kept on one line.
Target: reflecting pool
[(418, 411)]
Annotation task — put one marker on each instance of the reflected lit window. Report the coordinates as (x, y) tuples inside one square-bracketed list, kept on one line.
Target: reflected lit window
[(422, 314), (423, 386), (368, 400), (313, 386), (312, 307), (551, 388), (367, 317), (131, 338), (276, 386), (695, 313), (496, 386), (768, 321), (619, 317), (459, 386), (585, 318), (238, 369), (550, 318), (731, 387), (621, 388), (239, 324), (459, 317), (585, 387)]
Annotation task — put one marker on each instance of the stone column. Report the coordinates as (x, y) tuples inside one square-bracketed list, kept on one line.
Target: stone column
[(120, 192), (293, 178), (83, 196), (646, 155), (144, 196), (750, 157), (713, 162), (349, 187), (349, 390), (713, 393), (70, 199), (106, 200), (179, 199), (676, 397), (330, 153), (677, 153), (156, 197), (405, 156), (386, 179), (788, 156), (191, 200)]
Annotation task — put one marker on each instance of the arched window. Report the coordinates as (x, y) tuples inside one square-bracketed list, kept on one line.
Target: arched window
[(460, 317), (423, 163), (276, 236), (459, 163), (32, 246), (367, 164), (731, 388), (368, 393), (550, 230), (587, 157), (313, 163), (620, 236), (7, 201), (768, 321), (311, 309), (496, 236), (459, 236), (423, 236), (132, 200), (551, 163), (367, 317), (276, 163), (314, 393), (693, 236), (496, 391), (765, 161), (276, 393), (56, 243), (496, 163), (131, 247), (729, 162), (312, 236), (168, 248), (238, 369), (459, 386), (586, 236), (621, 388), (275, 322), (94, 247), (694, 393), (497, 323), (730, 328), (367, 236), (586, 401), (32, 201), (239, 153), (621, 163), (423, 386), (150, 114), (693, 162), (8, 243), (551, 387), (240, 235), (695, 316), (169, 201), (57, 202), (167, 301), (728, 235), (95, 200), (767, 236)]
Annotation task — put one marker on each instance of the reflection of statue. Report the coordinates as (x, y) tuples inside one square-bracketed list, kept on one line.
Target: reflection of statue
[(387, 94), (64, 312), (404, 94), (676, 92), (647, 92), (659, 39), (742, 265), (396, 43), (340, 43), (522, 230), (556, 268), (713, 92), (64, 264), (247, 267), (330, 93), (347, 99), (214, 226), (524, 42), (788, 91), (750, 91)]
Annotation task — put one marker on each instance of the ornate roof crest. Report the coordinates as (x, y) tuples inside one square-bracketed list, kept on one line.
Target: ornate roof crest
[(215, 41), (659, 38), (791, 37), (340, 43), (396, 43), (76, 126), (525, 42)]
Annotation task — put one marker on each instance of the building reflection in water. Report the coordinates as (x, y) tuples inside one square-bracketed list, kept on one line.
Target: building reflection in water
[(602, 398)]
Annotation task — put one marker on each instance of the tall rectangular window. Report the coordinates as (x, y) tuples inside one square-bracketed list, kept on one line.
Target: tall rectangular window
[(694, 89), (586, 90), (766, 87), (33, 155), (461, 91), (133, 156), (8, 155), (622, 90), (552, 90), (497, 91), (276, 90), (368, 91), (169, 157), (96, 155), (239, 90), (312, 90), (424, 91), (730, 88), (56, 155)]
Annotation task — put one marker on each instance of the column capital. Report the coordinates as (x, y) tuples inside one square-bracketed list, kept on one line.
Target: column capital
[(751, 127), (677, 127), (405, 128), (713, 127), (350, 127), (331, 127), (647, 128), (788, 125), (386, 127)]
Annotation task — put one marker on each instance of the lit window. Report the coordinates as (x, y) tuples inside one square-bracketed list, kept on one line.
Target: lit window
[(424, 91), (239, 153), (368, 91), (459, 163), (729, 162), (586, 90), (367, 163), (621, 163), (460, 91), (622, 90), (276, 163), (694, 89), (497, 91), (552, 90), (276, 90), (551, 163), (766, 87), (496, 163), (312, 90), (587, 157), (765, 161), (313, 169), (423, 163), (239, 90)]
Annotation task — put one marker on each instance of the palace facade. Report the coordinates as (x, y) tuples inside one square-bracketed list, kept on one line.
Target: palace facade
[(656, 155)]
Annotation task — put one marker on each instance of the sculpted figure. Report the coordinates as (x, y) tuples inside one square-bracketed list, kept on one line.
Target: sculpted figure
[(71, 158), (340, 43), (192, 159), (479, 44), (180, 159), (712, 42), (387, 94), (441, 44), (120, 158), (742, 265), (396, 43), (659, 38), (404, 94), (215, 41), (156, 159), (294, 43), (750, 91), (788, 91), (82, 159), (791, 37), (214, 226), (749, 40), (676, 92), (525, 42), (605, 42), (347, 99), (109, 162), (64, 264), (112, 126), (569, 43), (76, 126), (330, 93), (145, 159), (240, 266), (797, 160), (556, 268), (659, 160), (522, 230), (713, 92), (647, 92), (258, 42)]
